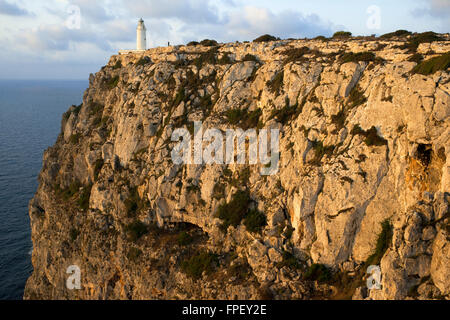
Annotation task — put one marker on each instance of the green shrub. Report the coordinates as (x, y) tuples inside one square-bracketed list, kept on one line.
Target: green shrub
[(371, 137), (77, 109), (320, 151), (244, 118), (98, 165), (295, 54), (206, 104), (133, 203), (209, 57), (193, 43), (131, 207), (433, 65), (192, 188), (96, 121), (68, 193), (289, 232), (227, 173), (225, 59), (179, 97), (74, 233), (398, 33), (234, 116), (233, 212), (318, 272), (342, 34), (113, 82), (118, 65), (339, 119), (244, 177), (250, 57), (208, 43), (383, 242), (356, 97), (136, 230), (356, 57), (427, 37), (251, 120), (241, 271), (95, 109), (266, 38), (416, 57), (276, 83), (417, 39), (286, 113), (85, 195), (184, 239), (202, 262), (321, 38), (289, 261), (142, 61), (75, 138), (218, 191), (255, 221), (134, 254), (74, 109), (100, 122)]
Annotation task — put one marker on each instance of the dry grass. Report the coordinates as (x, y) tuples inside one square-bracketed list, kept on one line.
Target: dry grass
[(423, 176)]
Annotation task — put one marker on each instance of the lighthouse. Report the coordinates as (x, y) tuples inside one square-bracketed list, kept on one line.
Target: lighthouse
[(141, 36), (141, 39)]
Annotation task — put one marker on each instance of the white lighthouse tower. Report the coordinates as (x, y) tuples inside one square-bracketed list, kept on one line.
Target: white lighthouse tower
[(141, 36)]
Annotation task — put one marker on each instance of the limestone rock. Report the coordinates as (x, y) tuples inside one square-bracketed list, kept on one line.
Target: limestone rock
[(363, 176)]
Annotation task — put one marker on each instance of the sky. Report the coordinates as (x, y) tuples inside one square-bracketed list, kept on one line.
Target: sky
[(69, 39)]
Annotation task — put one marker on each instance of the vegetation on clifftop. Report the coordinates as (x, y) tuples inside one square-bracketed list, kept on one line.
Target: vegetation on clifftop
[(398, 33), (433, 65), (342, 35), (266, 38), (417, 39)]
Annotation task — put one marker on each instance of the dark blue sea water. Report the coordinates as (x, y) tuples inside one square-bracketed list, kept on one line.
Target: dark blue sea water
[(30, 118)]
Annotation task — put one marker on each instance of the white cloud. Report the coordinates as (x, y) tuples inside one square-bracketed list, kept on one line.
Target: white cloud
[(438, 9), (59, 38), (11, 9), (253, 21), (192, 11), (95, 11)]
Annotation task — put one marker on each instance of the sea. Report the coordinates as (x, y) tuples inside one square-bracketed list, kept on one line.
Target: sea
[(30, 121)]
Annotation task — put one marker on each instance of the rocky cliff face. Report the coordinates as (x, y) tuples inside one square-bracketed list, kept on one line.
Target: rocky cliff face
[(363, 178)]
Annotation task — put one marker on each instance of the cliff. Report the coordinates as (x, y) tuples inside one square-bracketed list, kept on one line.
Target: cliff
[(363, 176)]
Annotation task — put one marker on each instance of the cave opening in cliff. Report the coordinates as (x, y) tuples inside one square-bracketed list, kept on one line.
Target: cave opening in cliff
[(424, 153)]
